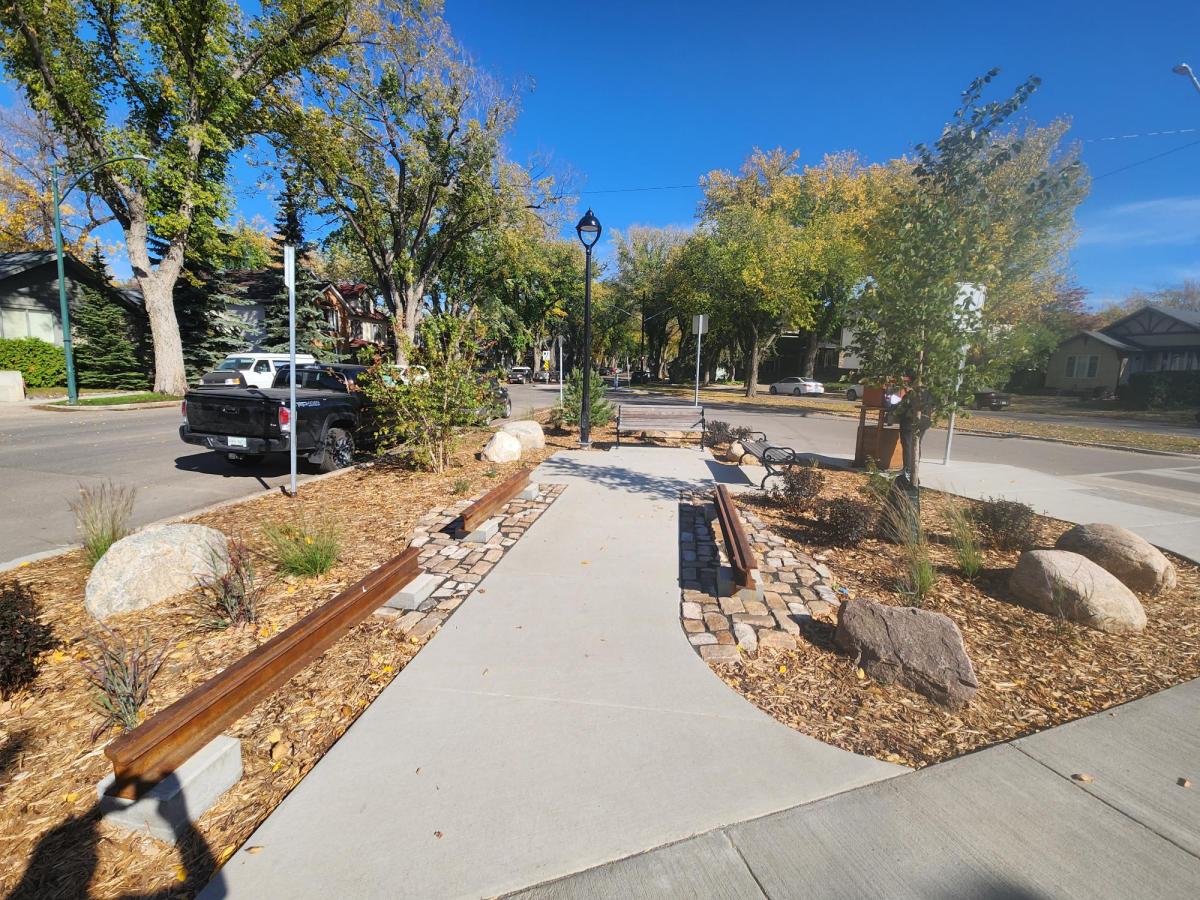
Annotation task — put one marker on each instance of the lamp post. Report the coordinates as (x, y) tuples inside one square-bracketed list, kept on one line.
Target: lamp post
[(1186, 71), (588, 230), (64, 312)]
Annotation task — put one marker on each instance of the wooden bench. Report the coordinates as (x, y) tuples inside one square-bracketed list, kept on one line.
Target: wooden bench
[(773, 458), (737, 546), (149, 753), (486, 506), (641, 417)]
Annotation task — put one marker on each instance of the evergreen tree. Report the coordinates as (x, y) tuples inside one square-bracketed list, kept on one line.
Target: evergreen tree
[(104, 336), (312, 334)]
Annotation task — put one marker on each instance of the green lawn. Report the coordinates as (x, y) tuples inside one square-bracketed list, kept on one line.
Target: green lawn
[(122, 399)]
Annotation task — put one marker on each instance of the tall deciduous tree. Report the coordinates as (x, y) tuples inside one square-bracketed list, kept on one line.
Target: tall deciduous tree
[(401, 140), (182, 82)]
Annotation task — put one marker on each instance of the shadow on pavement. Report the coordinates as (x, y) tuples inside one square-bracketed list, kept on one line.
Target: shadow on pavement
[(618, 477)]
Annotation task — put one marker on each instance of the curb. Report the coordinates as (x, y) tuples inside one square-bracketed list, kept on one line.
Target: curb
[(184, 516), (62, 407)]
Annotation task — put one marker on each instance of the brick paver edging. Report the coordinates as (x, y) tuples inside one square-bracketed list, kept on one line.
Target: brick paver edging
[(463, 565), (796, 587)]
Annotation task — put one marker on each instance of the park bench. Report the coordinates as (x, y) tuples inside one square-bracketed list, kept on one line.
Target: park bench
[(642, 417), (773, 458), (737, 546), (475, 518)]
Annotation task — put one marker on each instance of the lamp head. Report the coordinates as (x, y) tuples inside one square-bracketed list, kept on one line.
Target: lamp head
[(588, 229), (1182, 69)]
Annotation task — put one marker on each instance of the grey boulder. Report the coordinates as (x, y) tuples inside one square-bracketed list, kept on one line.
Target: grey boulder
[(1061, 583), (154, 565), (921, 650), (1134, 560)]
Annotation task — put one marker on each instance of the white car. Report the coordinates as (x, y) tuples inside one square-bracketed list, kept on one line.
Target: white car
[(797, 386), (254, 369)]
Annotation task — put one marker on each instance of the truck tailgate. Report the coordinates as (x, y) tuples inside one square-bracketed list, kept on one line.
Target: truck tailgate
[(244, 414)]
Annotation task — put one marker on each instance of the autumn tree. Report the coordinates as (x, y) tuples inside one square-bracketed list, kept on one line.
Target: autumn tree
[(183, 83), (644, 286)]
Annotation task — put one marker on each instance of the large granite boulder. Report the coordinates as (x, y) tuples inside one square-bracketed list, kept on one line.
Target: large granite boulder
[(923, 651), (736, 453), (528, 432), (1139, 564), (154, 565), (1061, 583), (502, 448)]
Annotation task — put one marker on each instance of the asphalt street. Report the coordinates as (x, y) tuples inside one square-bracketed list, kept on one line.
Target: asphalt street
[(45, 456)]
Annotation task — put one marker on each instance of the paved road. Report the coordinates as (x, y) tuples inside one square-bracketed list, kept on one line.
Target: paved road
[(45, 456)]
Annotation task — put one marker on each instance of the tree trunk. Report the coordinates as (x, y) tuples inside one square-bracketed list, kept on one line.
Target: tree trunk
[(170, 376), (810, 358), (407, 317), (752, 368)]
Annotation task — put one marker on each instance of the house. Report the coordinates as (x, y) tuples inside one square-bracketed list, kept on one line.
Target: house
[(1152, 339), (29, 304), (353, 318)]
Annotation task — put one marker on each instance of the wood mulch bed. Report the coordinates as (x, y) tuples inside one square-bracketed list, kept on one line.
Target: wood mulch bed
[(1034, 671), (52, 840)]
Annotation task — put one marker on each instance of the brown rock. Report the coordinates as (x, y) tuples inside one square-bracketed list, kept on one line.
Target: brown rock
[(693, 626), (724, 637), (720, 653), (715, 622), (775, 640), (1130, 557), (923, 651)]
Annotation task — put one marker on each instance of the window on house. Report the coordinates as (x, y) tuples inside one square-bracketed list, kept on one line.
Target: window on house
[(27, 323), (1071, 366), (1092, 364), (331, 318), (1082, 366)]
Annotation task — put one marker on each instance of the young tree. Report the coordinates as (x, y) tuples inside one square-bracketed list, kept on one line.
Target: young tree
[(104, 333), (915, 319), (401, 140), (312, 332), (182, 83)]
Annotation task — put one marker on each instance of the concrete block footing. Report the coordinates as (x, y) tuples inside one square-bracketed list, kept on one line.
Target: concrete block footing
[(530, 491), (484, 532), (416, 592), (168, 808)]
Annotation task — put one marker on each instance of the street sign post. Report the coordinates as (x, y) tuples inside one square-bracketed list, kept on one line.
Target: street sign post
[(699, 327), (289, 280)]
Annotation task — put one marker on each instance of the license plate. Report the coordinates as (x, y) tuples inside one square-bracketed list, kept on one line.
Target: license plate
[(236, 441)]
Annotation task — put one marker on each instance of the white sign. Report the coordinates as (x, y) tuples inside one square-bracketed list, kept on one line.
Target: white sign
[(547, 359), (699, 324)]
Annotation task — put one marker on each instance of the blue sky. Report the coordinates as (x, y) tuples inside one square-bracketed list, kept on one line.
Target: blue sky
[(626, 95)]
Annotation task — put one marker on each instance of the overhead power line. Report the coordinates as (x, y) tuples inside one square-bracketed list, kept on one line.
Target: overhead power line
[(1142, 162)]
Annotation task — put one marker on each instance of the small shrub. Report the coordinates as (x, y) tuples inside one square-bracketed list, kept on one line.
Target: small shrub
[(41, 364), (965, 539), (718, 432), (491, 472), (1009, 523), (23, 637), (120, 674), (302, 549), (461, 485), (798, 487), (102, 515), (879, 483), (229, 595), (601, 411), (846, 521)]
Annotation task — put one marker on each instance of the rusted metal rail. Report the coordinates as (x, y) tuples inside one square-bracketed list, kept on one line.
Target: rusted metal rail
[(147, 754), (741, 555), (486, 506)]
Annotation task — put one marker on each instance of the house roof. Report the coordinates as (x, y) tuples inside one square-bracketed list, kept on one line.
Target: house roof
[(1105, 339), (1186, 316), (13, 264)]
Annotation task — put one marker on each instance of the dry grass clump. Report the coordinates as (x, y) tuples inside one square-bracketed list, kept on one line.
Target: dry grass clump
[(102, 515)]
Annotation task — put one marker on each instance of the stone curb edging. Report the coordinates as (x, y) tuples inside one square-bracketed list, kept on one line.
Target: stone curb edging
[(461, 565), (796, 589)]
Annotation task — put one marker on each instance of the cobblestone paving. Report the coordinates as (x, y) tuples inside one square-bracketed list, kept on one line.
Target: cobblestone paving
[(463, 565), (796, 588)]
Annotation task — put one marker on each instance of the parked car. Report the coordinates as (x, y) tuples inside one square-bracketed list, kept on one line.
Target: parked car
[(855, 391), (543, 376), (247, 423), (988, 399), (251, 369), (797, 386), (639, 376), (520, 375)]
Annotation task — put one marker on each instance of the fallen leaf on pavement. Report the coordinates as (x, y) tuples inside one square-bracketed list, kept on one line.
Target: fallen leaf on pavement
[(1084, 777)]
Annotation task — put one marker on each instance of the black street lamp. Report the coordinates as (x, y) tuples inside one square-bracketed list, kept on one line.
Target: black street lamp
[(588, 230)]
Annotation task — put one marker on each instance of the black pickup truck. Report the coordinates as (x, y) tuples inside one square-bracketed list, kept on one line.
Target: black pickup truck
[(246, 423)]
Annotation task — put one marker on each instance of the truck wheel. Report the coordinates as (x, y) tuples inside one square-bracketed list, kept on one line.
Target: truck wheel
[(339, 450), (244, 459)]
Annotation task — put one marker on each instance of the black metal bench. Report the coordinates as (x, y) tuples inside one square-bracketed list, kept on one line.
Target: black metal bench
[(773, 458), (642, 417)]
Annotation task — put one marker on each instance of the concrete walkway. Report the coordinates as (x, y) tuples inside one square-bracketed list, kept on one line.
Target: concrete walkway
[(1007, 823), (560, 720)]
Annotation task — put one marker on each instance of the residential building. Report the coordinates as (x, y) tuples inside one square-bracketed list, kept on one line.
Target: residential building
[(353, 318), (29, 305), (1151, 339)]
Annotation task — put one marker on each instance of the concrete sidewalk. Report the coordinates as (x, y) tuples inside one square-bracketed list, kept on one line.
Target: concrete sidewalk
[(1007, 823), (560, 720)]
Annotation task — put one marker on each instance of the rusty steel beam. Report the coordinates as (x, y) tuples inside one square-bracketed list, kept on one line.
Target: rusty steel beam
[(483, 508), (147, 754), (741, 555)]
